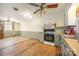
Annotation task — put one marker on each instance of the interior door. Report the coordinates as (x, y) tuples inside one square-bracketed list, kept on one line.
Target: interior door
[(16, 29), (1, 29)]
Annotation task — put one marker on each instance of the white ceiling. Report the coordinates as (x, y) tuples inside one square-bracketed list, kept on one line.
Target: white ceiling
[(6, 9)]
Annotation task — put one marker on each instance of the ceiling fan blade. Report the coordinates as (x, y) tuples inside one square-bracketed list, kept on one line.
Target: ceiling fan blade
[(52, 6), (40, 9), (36, 11), (33, 4)]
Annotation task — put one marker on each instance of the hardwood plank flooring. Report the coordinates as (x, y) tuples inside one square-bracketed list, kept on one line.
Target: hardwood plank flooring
[(27, 47)]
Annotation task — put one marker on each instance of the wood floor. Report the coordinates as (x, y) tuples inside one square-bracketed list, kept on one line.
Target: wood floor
[(21, 46)]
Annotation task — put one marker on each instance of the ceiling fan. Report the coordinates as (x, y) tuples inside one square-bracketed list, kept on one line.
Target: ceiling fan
[(43, 6)]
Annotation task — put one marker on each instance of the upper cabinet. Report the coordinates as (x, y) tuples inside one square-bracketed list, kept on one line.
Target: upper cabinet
[(60, 20)]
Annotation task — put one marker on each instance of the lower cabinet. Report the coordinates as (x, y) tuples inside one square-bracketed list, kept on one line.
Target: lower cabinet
[(57, 39), (66, 51)]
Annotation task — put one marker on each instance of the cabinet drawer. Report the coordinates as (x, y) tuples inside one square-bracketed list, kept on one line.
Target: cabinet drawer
[(71, 54)]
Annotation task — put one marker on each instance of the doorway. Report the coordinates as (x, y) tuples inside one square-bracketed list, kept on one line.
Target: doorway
[(1, 29)]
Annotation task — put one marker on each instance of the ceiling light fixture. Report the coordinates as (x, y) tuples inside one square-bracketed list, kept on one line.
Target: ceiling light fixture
[(27, 15)]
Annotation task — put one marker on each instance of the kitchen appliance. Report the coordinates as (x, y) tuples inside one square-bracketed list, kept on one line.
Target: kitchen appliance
[(49, 31), (49, 35), (70, 30)]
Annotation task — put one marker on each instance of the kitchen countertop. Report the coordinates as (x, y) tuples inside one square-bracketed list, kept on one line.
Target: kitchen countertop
[(73, 44)]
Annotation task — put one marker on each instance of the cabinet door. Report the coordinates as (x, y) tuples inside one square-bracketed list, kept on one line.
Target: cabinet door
[(66, 49), (57, 39), (71, 54)]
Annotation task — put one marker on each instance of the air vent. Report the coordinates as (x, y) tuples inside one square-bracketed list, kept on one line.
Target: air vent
[(16, 9)]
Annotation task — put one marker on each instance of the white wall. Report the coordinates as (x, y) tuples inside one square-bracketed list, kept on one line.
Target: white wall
[(32, 25), (32, 28)]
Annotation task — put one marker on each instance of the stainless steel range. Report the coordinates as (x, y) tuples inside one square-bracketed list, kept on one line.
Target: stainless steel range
[(49, 31)]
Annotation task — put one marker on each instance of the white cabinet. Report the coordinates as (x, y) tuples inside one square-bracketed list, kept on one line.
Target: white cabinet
[(60, 21)]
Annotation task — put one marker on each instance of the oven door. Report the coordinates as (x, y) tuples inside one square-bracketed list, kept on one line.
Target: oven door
[(49, 37)]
